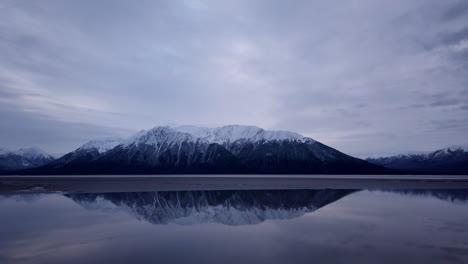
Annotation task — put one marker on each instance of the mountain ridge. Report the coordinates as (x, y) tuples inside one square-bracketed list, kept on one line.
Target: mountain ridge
[(450, 160), (23, 158), (197, 150)]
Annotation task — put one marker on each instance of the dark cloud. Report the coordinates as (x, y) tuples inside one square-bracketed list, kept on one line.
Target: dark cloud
[(457, 10), (455, 37), (451, 124), (327, 69), (417, 106), (465, 107), (446, 102), (23, 129)]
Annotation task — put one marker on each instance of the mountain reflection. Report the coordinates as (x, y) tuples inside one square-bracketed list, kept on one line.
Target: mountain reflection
[(448, 195), (243, 207)]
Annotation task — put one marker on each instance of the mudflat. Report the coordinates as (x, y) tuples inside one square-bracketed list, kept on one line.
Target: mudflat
[(140, 183)]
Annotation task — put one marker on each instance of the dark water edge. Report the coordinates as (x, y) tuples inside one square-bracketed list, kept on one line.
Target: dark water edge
[(233, 220), (139, 183)]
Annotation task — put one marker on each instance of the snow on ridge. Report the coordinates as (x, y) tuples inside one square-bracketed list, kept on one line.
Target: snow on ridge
[(32, 153), (102, 145), (160, 134), (447, 151), (57, 155), (231, 133), (4, 151), (224, 134), (423, 154), (456, 147), (29, 153)]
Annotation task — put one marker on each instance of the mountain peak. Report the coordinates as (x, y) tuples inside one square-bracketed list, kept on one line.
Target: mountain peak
[(226, 149), (458, 147), (4, 151), (32, 153), (159, 134), (453, 159), (231, 133), (102, 145), (23, 158)]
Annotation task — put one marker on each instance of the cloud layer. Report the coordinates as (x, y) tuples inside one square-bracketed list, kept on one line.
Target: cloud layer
[(366, 77)]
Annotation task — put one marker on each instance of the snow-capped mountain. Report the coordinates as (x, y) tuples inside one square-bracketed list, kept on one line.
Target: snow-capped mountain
[(167, 150), (225, 207), (229, 134), (101, 145), (24, 158), (85, 154), (189, 149), (158, 150), (446, 160)]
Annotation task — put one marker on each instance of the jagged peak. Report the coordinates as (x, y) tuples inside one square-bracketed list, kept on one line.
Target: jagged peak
[(29, 153), (224, 134), (424, 154), (231, 133), (102, 145), (457, 147), (160, 134), (33, 152), (4, 151)]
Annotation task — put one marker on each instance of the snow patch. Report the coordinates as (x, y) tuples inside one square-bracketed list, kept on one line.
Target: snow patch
[(4, 151), (231, 133), (102, 145), (440, 153), (160, 134), (32, 153)]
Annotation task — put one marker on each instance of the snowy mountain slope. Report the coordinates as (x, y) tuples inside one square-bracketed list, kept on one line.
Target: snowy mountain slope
[(446, 160), (101, 145), (24, 158), (224, 207), (161, 149), (85, 154), (188, 149), (232, 133), (276, 151), (167, 150)]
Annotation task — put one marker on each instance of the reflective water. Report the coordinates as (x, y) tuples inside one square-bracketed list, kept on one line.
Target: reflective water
[(245, 226)]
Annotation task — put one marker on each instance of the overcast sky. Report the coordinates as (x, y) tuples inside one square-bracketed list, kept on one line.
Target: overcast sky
[(364, 76)]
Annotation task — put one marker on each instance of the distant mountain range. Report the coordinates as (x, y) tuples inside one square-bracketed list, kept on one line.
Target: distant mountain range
[(198, 150), (23, 158), (453, 160), (224, 150)]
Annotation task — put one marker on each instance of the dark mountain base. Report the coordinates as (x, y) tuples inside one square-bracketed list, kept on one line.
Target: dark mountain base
[(134, 170)]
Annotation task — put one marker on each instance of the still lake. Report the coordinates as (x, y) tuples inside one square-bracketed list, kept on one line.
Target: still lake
[(236, 226)]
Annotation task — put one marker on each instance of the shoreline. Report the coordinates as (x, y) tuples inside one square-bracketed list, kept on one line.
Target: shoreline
[(147, 183)]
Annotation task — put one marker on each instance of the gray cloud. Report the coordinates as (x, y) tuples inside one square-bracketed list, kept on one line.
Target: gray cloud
[(331, 70), (456, 10), (23, 129), (445, 102), (455, 37)]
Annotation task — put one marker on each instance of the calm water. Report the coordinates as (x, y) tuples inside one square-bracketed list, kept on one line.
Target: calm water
[(271, 226)]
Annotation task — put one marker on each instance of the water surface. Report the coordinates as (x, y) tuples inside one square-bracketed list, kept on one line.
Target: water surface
[(237, 226)]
